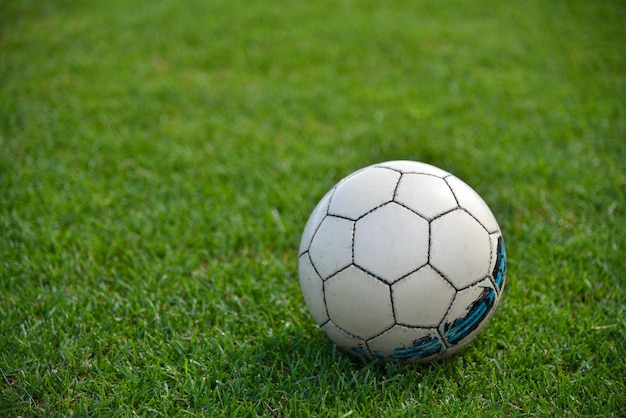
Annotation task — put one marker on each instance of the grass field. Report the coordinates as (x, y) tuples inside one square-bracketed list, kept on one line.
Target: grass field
[(158, 161)]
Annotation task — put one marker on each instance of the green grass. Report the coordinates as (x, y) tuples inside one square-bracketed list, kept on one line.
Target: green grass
[(158, 161)]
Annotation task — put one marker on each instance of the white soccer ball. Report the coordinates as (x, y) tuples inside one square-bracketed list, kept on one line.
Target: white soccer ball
[(402, 261)]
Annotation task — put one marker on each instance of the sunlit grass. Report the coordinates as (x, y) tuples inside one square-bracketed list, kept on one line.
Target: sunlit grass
[(158, 161)]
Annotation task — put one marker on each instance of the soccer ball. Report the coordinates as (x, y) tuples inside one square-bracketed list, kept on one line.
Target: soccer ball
[(402, 261)]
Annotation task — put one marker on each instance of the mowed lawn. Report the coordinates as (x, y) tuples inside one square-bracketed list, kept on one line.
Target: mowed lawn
[(159, 159)]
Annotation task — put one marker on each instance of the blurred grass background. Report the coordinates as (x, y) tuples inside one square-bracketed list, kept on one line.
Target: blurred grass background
[(158, 161)]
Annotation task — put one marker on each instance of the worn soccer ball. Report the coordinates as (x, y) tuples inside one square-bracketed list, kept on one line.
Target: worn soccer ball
[(402, 261)]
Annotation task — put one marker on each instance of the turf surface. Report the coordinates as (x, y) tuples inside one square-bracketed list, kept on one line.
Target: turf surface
[(158, 161)]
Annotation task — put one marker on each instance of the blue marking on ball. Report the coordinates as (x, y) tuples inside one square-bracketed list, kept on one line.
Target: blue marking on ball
[(500, 268), (422, 348), (359, 351), (462, 327)]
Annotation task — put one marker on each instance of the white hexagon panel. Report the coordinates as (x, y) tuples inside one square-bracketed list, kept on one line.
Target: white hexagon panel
[(314, 296), (331, 247), (421, 299), (406, 166), (344, 340), (314, 221), (391, 242), (460, 248), (363, 192), (407, 344), (427, 195), (471, 201), (358, 303)]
